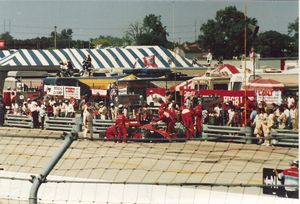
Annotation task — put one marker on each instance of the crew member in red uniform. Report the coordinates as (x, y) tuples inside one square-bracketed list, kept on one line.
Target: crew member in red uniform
[(164, 115), (121, 119), (111, 133), (187, 117), (198, 117), (173, 118)]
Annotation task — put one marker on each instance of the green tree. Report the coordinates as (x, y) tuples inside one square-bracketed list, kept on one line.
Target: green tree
[(151, 32), (108, 41), (134, 31), (7, 37), (272, 44), (293, 32), (224, 35)]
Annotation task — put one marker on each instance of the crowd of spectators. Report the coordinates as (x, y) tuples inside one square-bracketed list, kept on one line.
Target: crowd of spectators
[(192, 114)]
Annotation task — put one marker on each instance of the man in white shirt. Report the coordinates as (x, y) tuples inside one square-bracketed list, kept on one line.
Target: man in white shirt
[(70, 111), (34, 114), (209, 58)]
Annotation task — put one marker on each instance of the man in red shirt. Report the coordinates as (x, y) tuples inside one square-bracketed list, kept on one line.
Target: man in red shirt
[(121, 119), (198, 117), (187, 117)]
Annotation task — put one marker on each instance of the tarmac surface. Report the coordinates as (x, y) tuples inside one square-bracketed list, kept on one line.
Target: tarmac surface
[(28, 151)]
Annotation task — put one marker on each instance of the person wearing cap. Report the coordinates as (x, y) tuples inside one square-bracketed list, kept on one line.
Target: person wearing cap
[(102, 111), (112, 112), (291, 178), (88, 123), (121, 119)]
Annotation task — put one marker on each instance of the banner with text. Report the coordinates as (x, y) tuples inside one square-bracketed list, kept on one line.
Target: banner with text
[(71, 92)]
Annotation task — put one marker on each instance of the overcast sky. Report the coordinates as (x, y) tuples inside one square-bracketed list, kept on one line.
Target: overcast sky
[(91, 18)]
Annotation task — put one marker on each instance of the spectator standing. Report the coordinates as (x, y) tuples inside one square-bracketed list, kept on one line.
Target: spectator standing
[(25, 109), (56, 110), (70, 68), (259, 121), (268, 124), (34, 114), (102, 111), (63, 108), (88, 123), (15, 108), (49, 109), (209, 57), (70, 111), (294, 117), (253, 57), (231, 116), (282, 119), (42, 114), (112, 112), (290, 101), (291, 177)]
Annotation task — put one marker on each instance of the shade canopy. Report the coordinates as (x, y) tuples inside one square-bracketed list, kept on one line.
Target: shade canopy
[(265, 83)]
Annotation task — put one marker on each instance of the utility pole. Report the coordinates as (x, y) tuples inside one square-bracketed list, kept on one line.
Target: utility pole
[(245, 69), (195, 30), (55, 37), (9, 26)]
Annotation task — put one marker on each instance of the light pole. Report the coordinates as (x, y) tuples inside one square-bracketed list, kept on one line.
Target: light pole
[(55, 37), (245, 69)]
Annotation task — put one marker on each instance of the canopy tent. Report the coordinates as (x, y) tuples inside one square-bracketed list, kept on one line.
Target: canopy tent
[(228, 69), (267, 90), (128, 57), (183, 85), (265, 84)]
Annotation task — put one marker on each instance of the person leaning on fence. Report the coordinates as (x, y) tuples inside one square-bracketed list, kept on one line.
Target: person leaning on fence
[(88, 123), (291, 177)]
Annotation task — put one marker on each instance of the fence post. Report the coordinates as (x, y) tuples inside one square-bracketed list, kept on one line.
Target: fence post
[(41, 178), (248, 134), (78, 123), (204, 133)]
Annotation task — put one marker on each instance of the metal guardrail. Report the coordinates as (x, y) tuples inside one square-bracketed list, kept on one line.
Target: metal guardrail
[(279, 137), (23, 121), (64, 124), (285, 137), (100, 126), (227, 134)]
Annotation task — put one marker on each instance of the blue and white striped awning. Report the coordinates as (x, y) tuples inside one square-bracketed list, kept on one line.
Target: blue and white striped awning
[(101, 58), (6, 53)]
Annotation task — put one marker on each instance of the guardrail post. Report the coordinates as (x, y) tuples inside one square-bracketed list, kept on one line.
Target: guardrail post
[(204, 134), (248, 134), (78, 124), (41, 178)]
